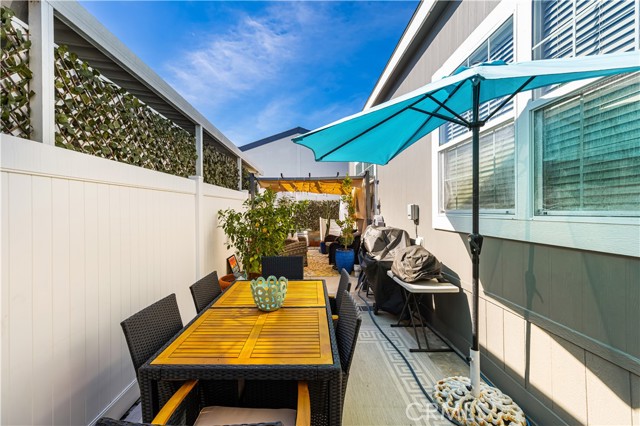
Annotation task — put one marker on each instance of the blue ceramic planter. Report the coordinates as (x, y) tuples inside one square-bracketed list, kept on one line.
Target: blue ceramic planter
[(344, 259)]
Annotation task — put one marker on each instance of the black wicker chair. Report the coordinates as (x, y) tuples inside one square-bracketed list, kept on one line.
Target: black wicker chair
[(335, 301), (347, 335), (185, 406), (148, 330), (205, 290), (290, 267)]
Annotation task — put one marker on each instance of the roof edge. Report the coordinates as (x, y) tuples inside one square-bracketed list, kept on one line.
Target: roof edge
[(273, 138), (414, 30)]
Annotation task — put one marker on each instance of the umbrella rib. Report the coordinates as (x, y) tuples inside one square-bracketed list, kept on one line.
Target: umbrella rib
[(371, 128), (518, 90), (434, 114), (465, 122), (443, 117)]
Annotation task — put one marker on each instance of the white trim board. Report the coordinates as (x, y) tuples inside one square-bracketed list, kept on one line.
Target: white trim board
[(425, 8), (121, 404)]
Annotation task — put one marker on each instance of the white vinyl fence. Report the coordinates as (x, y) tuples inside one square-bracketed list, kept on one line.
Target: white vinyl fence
[(86, 242)]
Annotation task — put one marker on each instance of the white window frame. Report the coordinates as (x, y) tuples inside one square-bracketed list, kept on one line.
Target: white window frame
[(616, 235)]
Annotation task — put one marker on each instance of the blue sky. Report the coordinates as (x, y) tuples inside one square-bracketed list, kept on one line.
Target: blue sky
[(258, 68)]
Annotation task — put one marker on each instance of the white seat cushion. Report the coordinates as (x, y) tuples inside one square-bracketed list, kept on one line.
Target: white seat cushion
[(334, 229), (216, 415)]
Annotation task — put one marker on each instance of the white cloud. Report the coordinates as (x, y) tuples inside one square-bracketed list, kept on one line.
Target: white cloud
[(253, 52), (260, 75), (282, 113)]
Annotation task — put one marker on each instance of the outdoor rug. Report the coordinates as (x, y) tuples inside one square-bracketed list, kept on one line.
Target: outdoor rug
[(381, 389), (318, 264)]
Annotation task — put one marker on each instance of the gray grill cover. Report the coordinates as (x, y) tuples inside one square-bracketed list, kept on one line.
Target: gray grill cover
[(415, 263), (382, 242)]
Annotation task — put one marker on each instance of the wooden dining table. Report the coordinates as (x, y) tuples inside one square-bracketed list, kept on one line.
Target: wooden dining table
[(232, 339)]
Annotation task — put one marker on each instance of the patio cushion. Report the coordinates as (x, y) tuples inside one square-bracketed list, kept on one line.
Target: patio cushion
[(217, 415)]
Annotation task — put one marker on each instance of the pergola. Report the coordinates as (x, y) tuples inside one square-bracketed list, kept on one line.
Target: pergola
[(315, 185)]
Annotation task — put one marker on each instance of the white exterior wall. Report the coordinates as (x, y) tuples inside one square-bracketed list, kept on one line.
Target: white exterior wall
[(86, 242)]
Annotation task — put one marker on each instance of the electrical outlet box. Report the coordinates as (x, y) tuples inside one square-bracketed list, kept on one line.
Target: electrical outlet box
[(413, 212)]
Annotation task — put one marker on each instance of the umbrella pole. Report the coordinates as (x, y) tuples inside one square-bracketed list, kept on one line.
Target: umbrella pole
[(475, 240), (468, 401)]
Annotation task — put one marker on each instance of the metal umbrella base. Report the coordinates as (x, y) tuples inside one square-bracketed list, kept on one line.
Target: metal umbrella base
[(491, 407)]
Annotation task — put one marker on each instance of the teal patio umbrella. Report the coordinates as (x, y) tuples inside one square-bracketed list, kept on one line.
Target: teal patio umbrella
[(379, 134)]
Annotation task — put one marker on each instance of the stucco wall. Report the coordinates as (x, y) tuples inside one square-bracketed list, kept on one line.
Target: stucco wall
[(560, 328)]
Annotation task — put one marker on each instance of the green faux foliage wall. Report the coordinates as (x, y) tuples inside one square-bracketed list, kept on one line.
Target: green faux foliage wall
[(311, 214), (14, 77), (220, 169), (98, 117)]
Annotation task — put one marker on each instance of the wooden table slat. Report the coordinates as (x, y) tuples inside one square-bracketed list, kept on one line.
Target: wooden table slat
[(286, 336), (300, 294)]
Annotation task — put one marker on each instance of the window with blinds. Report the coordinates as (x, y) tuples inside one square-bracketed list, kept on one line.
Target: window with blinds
[(566, 28), (587, 151), (499, 46), (497, 171), (361, 168)]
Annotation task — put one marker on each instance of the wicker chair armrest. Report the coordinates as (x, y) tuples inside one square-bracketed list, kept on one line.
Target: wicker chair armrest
[(303, 410), (181, 409), (179, 405)]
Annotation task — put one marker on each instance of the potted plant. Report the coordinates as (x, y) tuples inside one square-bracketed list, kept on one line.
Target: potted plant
[(260, 229), (345, 256)]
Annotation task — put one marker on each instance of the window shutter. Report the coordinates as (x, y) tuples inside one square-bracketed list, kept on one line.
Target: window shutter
[(499, 46), (557, 29), (605, 27), (601, 26), (588, 156), (497, 173)]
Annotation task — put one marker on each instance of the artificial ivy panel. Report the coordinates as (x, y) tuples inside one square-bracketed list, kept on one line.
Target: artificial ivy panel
[(15, 76), (309, 217), (219, 169), (95, 116)]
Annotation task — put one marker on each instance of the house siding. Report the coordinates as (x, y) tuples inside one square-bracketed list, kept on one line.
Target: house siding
[(559, 327)]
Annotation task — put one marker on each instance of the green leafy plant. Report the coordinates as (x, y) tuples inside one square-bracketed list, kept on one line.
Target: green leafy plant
[(346, 225), (260, 228)]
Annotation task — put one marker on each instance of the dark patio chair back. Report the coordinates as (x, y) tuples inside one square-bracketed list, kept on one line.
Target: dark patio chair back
[(205, 290), (347, 331), (344, 284), (347, 335), (148, 330), (290, 267)]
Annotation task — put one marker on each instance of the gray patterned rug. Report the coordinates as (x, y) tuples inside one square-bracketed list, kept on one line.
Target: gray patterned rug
[(381, 389)]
